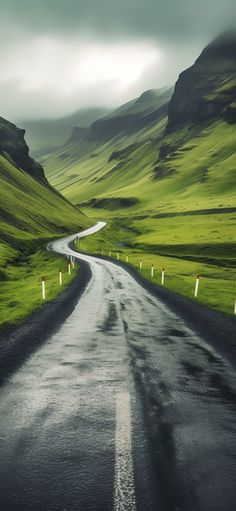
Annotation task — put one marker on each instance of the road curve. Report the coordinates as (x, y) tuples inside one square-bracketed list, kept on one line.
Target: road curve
[(124, 408)]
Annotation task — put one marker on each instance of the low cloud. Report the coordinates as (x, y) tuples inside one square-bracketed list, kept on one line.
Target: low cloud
[(60, 55)]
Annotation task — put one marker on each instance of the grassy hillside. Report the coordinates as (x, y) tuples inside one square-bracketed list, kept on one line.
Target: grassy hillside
[(31, 214), (171, 182)]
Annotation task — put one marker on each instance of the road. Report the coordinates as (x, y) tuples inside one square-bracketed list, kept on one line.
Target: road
[(124, 408)]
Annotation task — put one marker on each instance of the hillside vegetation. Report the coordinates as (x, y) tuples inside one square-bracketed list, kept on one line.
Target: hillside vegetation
[(31, 213), (164, 173)]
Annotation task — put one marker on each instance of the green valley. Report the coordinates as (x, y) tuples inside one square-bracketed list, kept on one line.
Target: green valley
[(161, 169)]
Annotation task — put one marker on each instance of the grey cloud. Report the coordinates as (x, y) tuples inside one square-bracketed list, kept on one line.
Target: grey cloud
[(172, 19), (178, 28)]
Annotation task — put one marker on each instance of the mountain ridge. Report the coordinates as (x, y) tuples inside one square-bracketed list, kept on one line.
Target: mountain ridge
[(207, 89)]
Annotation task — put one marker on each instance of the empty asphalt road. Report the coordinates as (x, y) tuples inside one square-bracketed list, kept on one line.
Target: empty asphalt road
[(124, 408)]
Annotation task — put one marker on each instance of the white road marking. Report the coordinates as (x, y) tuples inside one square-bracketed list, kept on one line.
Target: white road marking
[(124, 491)]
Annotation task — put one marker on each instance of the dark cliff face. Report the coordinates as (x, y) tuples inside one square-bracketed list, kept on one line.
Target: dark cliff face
[(15, 149), (208, 88)]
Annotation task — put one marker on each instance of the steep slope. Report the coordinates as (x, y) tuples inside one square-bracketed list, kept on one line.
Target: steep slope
[(14, 148), (208, 88), (85, 162), (30, 210), (132, 117)]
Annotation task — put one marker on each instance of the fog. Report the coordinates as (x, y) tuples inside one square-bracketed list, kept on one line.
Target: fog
[(59, 56)]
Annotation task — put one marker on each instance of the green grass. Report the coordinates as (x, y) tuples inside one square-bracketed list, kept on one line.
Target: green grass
[(217, 284), (31, 214), (20, 289), (185, 214), (203, 170)]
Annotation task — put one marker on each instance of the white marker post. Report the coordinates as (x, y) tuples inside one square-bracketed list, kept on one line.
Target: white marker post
[(118, 256), (43, 289), (163, 276), (69, 268), (152, 271), (235, 307), (196, 286), (127, 259), (140, 265), (60, 277)]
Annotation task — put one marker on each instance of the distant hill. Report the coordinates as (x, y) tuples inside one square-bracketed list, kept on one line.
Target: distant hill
[(44, 134), (132, 117)]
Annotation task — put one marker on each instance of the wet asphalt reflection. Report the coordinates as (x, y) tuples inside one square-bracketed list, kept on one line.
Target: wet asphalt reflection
[(124, 408)]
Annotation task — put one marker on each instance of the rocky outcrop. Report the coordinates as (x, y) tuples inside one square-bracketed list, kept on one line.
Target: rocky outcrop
[(15, 149), (206, 89)]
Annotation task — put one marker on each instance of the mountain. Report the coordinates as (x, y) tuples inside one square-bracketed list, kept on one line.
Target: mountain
[(31, 211), (44, 134), (208, 88), (131, 122), (161, 169), (151, 144), (132, 117)]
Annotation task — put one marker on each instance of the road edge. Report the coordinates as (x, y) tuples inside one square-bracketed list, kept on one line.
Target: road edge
[(18, 342), (216, 328)]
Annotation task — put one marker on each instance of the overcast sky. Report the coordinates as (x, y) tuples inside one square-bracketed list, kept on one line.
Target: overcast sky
[(58, 56)]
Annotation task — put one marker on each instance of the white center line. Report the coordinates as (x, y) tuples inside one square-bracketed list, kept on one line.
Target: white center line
[(124, 492)]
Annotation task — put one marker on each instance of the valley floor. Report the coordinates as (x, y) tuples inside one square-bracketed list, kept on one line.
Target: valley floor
[(181, 263), (122, 407)]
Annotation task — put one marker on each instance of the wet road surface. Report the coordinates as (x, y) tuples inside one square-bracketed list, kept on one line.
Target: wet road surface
[(124, 408)]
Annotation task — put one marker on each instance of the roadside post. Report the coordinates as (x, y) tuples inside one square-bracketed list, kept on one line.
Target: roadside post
[(152, 271), (69, 268), (235, 307), (140, 265), (60, 277), (196, 286), (163, 276), (43, 289)]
